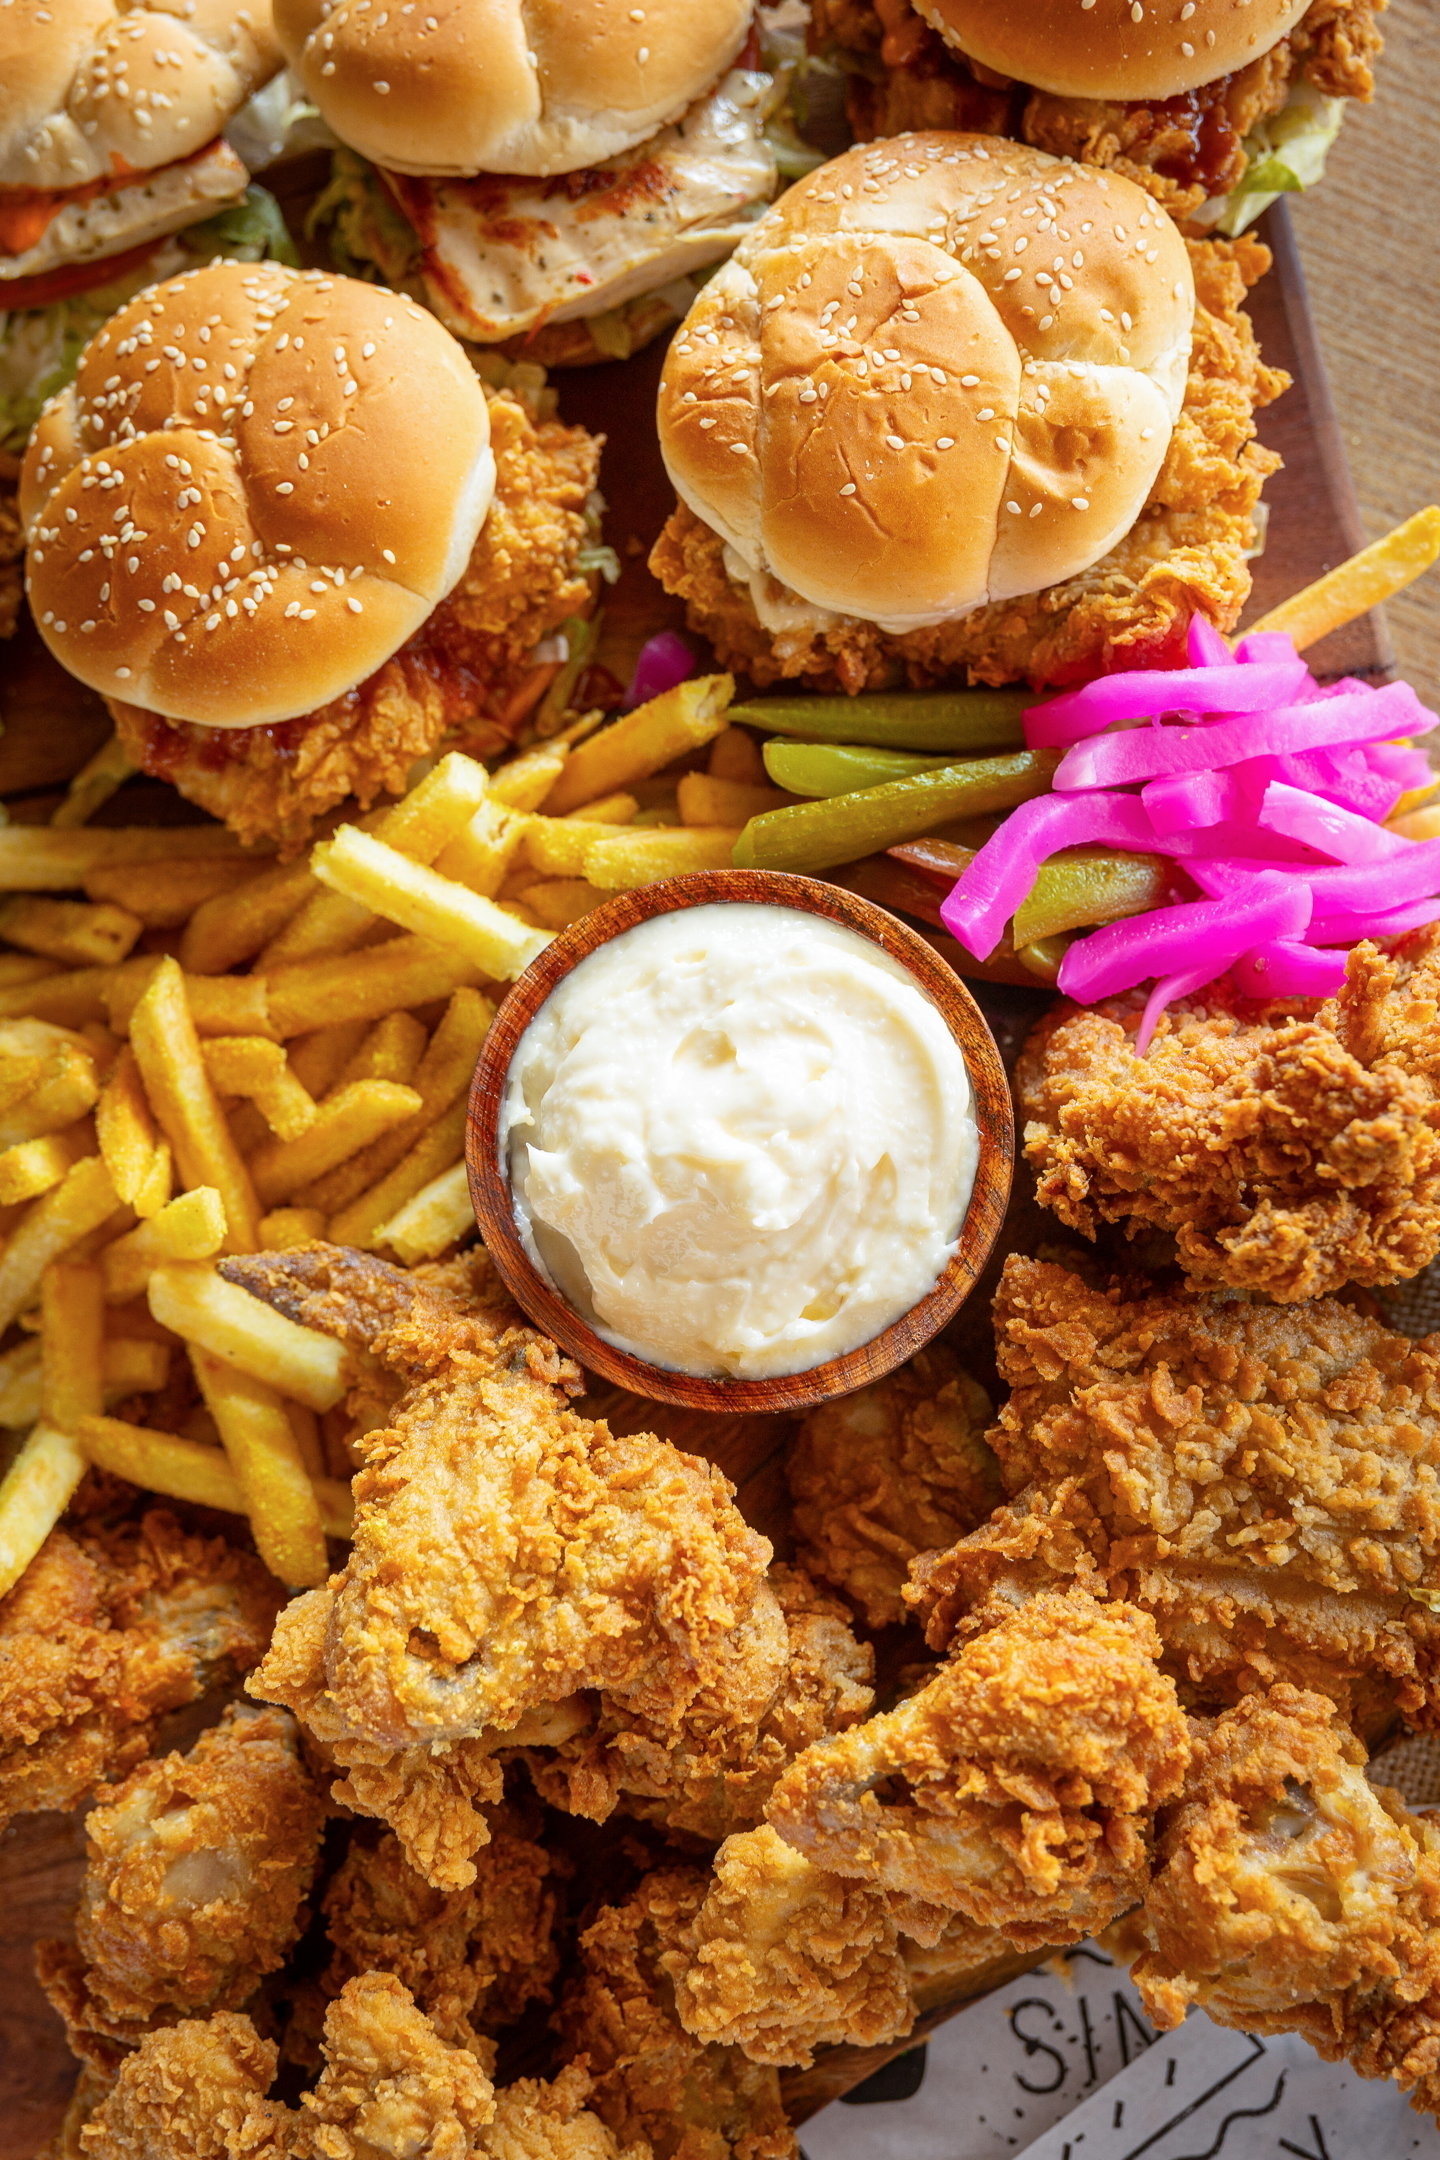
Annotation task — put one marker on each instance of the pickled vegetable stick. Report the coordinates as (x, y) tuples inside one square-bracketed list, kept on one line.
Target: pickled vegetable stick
[(815, 835), (960, 722), (256, 1067), (241, 922), (420, 900), (703, 800), (642, 858), (269, 1468), (76, 931), (33, 1166), (83, 1200), (820, 770), (557, 847), (438, 1149), (364, 986), (164, 895), (190, 1228), (1083, 886), (45, 858), (652, 736), (342, 1125), (437, 1215), (188, 1470), (180, 1093), (196, 1303), (524, 782), (1376, 574), (34, 1494)]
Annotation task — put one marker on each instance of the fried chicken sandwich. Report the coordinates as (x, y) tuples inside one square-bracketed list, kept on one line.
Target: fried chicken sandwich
[(1216, 106), (541, 174), (956, 406), (280, 525)]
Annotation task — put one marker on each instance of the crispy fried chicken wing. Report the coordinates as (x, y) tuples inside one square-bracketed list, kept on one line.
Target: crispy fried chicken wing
[(197, 1866), (106, 1631), (1290, 1148), (1261, 1479), (891, 1471), (686, 2099), (507, 1554), (1015, 1788)]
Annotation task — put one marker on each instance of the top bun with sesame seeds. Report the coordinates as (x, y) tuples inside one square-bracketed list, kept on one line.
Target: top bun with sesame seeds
[(506, 86), (90, 89), (259, 485), (944, 370), (1142, 49)]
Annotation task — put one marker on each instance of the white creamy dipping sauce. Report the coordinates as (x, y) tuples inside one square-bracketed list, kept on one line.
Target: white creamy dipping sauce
[(740, 1140)]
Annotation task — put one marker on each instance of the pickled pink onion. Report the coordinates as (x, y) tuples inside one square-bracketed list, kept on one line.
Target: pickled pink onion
[(664, 661), (1143, 695), (1006, 867), (1145, 753), (1285, 969)]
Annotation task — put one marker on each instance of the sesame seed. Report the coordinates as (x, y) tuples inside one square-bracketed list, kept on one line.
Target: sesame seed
[(945, 442), (1082, 502), (849, 488)]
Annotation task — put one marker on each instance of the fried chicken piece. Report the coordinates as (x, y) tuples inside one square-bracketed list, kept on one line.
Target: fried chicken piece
[(1260, 1479), (390, 2085), (196, 1871), (1015, 1787), (653, 2082), (471, 1958), (1291, 1148), (195, 2091), (105, 1632), (1185, 554), (539, 2121), (790, 1674), (507, 1554), (467, 677), (891, 1471)]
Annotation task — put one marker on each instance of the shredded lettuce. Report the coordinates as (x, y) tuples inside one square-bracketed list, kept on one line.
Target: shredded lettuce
[(363, 227), (1286, 154), (251, 230)]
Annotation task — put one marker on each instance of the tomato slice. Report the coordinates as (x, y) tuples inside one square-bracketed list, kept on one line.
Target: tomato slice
[(68, 279)]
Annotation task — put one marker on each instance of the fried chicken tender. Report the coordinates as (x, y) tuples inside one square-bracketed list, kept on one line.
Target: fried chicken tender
[(471, 1958), (891, 1471), (1185, 554), (196, 1871), (105, 1632), (791, 1673), (654, 2083), (1015, 1788), (467, 677), (1290, 1148), (1262, 1480), (507, 1554)]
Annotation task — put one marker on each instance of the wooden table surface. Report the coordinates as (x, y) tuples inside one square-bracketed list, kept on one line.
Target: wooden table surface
[(1368, 244)]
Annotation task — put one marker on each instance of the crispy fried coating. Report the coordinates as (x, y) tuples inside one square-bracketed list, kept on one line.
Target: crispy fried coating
[(894, 1470), (106, 1631), (466, 676), (194, 2091), (1263, 1480), (788, 1675), (471, 1958), (1015, 1788), (195, 1874), (653, 2082), (1290, 1148), (507, 1553), (1184, 555), (539, 2121), (390, 2084)]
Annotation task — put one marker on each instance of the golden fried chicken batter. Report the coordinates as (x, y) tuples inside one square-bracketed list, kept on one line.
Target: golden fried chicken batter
[(1290, 1148), (1184, 555)]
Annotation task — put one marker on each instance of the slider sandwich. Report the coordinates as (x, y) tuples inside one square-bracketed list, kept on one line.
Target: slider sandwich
[(544, 176), (283, 529), (957, 408), (1215, 106)]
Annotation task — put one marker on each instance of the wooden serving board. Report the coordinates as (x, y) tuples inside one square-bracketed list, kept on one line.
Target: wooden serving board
[(51, 727)]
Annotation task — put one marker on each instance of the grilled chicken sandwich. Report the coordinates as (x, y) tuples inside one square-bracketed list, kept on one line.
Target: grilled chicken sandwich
[(1216, 106), (958, 407), (281, 526), (544, 176)]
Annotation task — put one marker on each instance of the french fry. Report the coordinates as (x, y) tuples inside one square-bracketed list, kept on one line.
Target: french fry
[(167, 1050), (202, 1307), (69, 930), (426, 820), (72, 1336), (269, 1469), (319, 1059), (34, 1166), (238, 924), (442, 1078), (436, 1150), (1376, 574), (365, 986), (253, 1066), (129, 1366), (327, 925), (616, 809), (652, 736), (94, 784), (68, 998), (18, 968), (306, 1427), (189, 1470), (126, 1131), (20, 1384), (284, 1228), (557, 847), (703, 800), (343, 1124), (642, 858), (47, 1080), (190, 1228), (33, 1496), (164, 895), (83, 1200), (557, 902), (429, 905), (437, 1215), (218, 1004), (481, 854), (46, 858), (735, 755), (390, 1050), (524, 782)]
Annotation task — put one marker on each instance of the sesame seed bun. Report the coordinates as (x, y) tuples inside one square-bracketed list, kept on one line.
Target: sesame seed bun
[(258, 487), (88, 88), (509, 86), (943, 370), (1139, 49)]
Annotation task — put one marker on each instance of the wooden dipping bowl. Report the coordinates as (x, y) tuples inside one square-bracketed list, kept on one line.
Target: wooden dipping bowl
[(490, 1184)]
